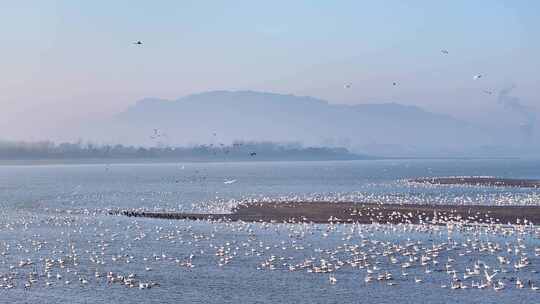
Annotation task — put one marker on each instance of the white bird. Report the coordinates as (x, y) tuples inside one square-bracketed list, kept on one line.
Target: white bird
[(489, 278), (498, 286), (228, 182), (519, 283)]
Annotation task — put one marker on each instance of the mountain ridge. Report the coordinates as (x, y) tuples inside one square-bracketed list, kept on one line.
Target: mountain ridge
[(386, 129)]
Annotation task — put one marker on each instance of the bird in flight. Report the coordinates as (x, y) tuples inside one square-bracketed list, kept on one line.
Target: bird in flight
[(394, 83), (137, 43), (488, 92), (252, 153), (445, 52), (347, 85), (476, 77), (156, 134)]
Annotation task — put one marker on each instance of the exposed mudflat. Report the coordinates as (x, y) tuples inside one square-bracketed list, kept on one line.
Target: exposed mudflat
[(479, 181), (325, 212)]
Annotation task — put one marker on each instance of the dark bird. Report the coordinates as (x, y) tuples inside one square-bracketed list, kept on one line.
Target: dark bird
[(488, 92), (394, 83), (137, 43), (156, 134), (252, 153), (444, 52)]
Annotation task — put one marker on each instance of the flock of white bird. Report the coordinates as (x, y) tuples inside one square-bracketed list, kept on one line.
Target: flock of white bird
[(423, 194), (85, 250)]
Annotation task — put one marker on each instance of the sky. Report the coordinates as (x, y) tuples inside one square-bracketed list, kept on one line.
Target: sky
[(65, 62)]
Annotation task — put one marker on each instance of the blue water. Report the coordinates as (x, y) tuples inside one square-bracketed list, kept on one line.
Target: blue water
[(57, 211)]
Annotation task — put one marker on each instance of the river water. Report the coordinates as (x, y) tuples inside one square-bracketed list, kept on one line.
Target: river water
[(55, 215)]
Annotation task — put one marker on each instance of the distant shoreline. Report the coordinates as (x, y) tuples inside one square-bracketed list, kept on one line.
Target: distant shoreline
[(110, 161)]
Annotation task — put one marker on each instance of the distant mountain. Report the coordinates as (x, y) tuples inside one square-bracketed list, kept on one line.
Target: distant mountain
[(215, 117)]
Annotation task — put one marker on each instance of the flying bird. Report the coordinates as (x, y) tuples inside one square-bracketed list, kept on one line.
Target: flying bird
[(156, 134), (476, 77), (347, 85), (137, 43), (445, 52), (488, 92), (394, 83), (252, 153), (228, 182)]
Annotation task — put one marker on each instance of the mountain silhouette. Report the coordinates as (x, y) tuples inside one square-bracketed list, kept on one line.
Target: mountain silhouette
[(389, 129)]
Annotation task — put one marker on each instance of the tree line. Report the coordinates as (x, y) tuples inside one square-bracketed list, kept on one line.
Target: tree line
[(236, 150)]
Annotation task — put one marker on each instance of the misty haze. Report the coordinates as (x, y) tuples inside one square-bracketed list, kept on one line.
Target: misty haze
[(269, 152)]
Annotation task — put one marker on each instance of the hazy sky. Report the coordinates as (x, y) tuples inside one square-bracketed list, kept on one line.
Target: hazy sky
[(63, 61)]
